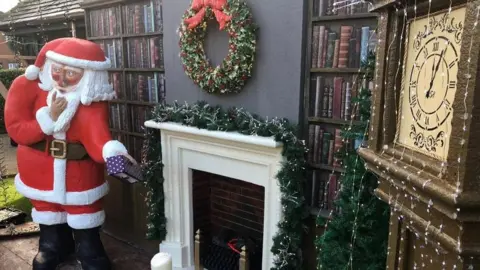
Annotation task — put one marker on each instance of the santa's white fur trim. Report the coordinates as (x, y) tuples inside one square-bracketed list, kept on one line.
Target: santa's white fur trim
[(31, 73), (45, 121), (113, 148), (80, 63), (66, 198), (86, 221), (48, 218)]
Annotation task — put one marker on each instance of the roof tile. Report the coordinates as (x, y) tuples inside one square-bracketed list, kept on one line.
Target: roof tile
[(29, 10)]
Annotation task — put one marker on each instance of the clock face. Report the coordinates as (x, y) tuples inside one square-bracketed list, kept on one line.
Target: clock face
[(430, 82)]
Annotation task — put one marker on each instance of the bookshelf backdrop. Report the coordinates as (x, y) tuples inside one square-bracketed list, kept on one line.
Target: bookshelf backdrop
[(339, 38), (130, 34)]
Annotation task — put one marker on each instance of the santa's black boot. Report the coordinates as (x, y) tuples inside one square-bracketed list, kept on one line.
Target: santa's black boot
[(55, 245), (67, 242), (90, 251)]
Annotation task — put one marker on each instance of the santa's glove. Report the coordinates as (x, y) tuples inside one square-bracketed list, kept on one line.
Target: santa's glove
[(45, 121)]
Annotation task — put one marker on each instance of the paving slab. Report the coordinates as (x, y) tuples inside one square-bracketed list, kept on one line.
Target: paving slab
[(18, 253)]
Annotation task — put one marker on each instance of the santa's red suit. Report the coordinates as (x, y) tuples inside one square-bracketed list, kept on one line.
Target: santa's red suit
[(63, 190)]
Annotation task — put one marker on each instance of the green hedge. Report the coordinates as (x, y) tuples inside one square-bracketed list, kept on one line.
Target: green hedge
[(6, 77)]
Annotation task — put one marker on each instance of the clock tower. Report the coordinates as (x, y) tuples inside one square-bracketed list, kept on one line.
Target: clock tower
[(423, 142)]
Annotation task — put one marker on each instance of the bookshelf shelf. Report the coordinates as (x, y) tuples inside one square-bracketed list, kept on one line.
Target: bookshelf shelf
[(332, 121), (337, 41), (133, 102), (143, 35), (319, 212), (335, 70), (327, 167), (130, 34), (144, 69), (136, 134), (104, 37), (349, 17)]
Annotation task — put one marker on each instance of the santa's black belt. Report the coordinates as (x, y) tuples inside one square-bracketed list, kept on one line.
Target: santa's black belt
[(61, 149)]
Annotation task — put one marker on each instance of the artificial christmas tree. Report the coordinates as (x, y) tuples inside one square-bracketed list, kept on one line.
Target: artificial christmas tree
[(356, 234)]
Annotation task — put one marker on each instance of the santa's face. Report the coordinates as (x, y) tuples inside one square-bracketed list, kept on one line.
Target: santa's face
[(66, 78)]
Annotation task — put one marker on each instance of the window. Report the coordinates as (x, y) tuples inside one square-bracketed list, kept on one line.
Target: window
[(13, 65)]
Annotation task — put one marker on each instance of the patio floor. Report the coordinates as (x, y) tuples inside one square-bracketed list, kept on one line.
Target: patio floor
[(17, 254)]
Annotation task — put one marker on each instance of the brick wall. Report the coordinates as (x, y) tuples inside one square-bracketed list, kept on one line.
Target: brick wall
[(221, 202)]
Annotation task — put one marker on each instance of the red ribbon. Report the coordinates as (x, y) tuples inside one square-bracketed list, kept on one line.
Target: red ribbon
[(201, 5)]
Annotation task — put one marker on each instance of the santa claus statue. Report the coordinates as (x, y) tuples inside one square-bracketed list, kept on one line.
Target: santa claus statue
[(58, 114)]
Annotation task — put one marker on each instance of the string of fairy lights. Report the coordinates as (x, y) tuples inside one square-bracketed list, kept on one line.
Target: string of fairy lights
[(396, 206), (468, 76), (424, 257), (394, 202), (356, 79)]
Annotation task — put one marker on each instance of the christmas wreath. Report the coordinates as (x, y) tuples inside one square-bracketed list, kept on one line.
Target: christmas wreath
[(234, 17)]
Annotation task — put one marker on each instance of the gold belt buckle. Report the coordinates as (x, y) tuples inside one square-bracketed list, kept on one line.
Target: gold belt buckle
[(57, 146)]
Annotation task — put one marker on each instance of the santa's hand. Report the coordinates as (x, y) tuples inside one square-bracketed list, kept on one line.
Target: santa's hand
[(57, 107), (128, 157)]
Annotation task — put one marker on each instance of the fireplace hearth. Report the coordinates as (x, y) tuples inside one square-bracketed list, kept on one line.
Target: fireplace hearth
[(243, 201)]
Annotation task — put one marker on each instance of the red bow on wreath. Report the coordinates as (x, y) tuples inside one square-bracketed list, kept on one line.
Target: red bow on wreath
[(201, 5)]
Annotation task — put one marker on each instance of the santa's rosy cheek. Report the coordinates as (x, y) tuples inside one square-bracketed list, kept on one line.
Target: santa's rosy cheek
[(73, 80), (56, 76)]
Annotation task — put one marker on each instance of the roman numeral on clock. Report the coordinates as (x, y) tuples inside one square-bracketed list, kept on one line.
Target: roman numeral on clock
[(452, 84), (427, 120), (447, 104), (438, 118), (413, 84), (425, 51), (418, 114), (413, 100), (452, 63), (435, 46)]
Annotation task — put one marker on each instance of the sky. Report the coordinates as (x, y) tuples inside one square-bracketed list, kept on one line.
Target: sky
[(6, 5)]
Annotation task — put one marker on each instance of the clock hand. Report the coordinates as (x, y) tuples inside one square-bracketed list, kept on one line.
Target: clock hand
[(435, 72), (432, 79)]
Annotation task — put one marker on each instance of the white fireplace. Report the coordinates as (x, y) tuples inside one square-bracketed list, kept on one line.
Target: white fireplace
[(251, 159)]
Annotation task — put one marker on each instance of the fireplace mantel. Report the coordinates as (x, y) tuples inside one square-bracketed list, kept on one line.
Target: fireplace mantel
[(252, 159)]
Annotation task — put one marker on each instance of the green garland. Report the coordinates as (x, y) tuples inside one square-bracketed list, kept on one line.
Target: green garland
[(153, 174), (236, 68), (291, 177)]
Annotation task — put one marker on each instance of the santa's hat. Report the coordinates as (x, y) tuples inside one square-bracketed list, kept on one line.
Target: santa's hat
[(72, 52)]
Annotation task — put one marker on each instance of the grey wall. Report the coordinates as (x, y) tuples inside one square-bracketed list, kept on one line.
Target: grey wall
[(274, 89)]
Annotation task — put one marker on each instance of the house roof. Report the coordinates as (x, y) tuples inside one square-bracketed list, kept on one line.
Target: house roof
[(29, 12)]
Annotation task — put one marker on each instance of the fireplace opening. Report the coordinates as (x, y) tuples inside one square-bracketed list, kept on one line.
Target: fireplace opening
[(229, 214)]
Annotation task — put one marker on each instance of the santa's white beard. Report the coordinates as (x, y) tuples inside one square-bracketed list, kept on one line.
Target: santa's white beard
[(94, 86), (73, 98)]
